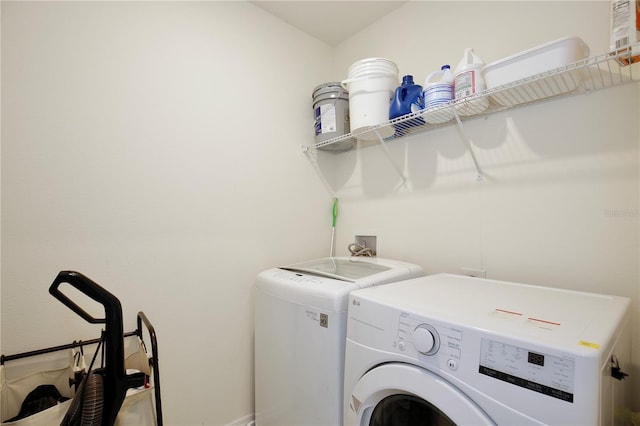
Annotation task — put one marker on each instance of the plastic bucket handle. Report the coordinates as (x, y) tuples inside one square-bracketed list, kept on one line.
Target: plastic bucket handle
[(344, 83)]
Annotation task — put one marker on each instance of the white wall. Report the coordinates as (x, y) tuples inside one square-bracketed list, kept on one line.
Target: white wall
[(154, 146), (558, 205)]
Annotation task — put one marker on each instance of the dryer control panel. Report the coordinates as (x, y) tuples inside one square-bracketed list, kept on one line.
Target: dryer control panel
[(437, 341), (536, 371)]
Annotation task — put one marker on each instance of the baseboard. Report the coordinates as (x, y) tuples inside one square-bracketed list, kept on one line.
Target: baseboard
[(247, 420)]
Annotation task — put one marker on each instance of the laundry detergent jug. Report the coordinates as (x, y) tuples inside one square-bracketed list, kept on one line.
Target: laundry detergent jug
[(407, 99), (467, 82), (438, 92)]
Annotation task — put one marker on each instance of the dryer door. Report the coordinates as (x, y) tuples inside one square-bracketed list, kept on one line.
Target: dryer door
[(406, 395)]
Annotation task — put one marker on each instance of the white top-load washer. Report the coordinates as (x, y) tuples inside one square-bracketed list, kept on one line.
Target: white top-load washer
[(300, 330), (455, 350)]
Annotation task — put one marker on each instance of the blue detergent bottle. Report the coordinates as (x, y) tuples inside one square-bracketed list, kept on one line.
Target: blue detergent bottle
[(407, 99)]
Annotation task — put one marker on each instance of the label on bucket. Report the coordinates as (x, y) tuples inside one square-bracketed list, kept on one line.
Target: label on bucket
[(325, 119)]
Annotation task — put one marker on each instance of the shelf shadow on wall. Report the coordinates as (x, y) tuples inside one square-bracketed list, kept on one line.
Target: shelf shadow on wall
[(334, 169), (539, 136)]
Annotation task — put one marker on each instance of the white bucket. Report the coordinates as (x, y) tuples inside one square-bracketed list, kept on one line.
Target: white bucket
[(371, 83)]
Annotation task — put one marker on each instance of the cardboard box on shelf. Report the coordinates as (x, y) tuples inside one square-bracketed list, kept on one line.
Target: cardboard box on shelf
[(625, 30)]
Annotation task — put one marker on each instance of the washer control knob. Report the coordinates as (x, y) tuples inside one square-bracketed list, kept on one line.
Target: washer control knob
[(426, 339)]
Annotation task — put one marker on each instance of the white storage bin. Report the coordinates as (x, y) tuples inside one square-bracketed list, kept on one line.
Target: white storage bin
[(536, 60)]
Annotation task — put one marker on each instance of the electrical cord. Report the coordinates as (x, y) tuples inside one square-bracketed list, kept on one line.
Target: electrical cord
[(359, 250)]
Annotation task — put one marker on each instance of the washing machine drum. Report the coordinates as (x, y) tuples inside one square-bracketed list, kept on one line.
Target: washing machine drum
[(406, 395), (405, 410)]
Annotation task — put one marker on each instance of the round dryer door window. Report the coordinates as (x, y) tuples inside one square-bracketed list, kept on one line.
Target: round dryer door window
[(406, 395), (407, 410)]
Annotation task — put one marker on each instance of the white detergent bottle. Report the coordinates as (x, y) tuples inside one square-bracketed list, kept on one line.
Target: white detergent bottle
[(438, 91), (467, 81)]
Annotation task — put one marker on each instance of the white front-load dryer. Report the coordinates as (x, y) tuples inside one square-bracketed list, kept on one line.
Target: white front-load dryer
[(452, 350), (300, 331)]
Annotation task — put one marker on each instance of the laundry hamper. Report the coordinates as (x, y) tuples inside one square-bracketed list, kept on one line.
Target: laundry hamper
[(62, 385)]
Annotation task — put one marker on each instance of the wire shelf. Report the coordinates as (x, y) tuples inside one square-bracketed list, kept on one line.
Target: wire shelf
[(584, 76)]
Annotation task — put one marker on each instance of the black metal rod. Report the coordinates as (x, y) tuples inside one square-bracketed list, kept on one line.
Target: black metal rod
[(75, 344), (142, 318)]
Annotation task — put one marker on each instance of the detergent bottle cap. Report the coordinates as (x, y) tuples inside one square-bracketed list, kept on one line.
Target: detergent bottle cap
[(407, 79), (445, 67)]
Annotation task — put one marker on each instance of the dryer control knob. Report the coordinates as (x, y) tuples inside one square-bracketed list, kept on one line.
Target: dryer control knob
[(426, 339)]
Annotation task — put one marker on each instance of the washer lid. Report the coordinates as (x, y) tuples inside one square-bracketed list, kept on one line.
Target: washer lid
[(343, 269)]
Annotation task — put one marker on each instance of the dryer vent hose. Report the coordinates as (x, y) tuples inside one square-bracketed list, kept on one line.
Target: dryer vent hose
[(93, 400), (86, 408)]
